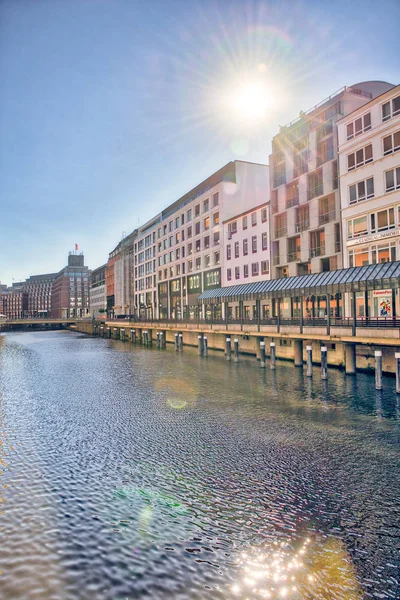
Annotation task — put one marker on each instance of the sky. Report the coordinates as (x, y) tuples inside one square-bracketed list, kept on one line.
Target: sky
[(110, 110)]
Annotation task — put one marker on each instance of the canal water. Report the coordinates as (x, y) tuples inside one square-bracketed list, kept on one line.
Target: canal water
[(130, 473)]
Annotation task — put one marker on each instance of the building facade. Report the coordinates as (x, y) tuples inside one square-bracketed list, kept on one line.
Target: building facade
[(97, 292), (70, 292), (39, 289), (145, 270), (369, 165), (305, 201), (14, 302)]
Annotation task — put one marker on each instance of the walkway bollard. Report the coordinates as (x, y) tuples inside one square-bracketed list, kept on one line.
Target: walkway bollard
[(205, 346), (157, 339), (262, 355), (378, 369), (176, 342), (397, 357), (228, 349), (309, 361), (200, 345), (236, 349), (273, 355), (115, 333), (109, 332), (180, 338), (162, 340), (123, 335), (133, 336), (324, 362)]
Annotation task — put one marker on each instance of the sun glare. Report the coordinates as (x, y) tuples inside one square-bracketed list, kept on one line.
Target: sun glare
[(250, 100)]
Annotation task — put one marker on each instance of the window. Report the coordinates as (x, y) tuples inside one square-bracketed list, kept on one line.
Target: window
[(215, 200), (264, 267), (244, 222), (177, 237), (206, 242), (359, 126), (391, 143), (382, 220), (216, 258), (197, 210), (197, 245), (206, 205), (190, 266), (254, 269), (263, 215), (182, 219), (198, 263), (165, 230), (245, 247), (392, 179), (189, 231), (171, 241), (232, 228), (391, 109), (254, 244), (302, 218), (216, 238), (183, 235), (206, 223), (228, 252), (253, 219), (178, 253), (229, 274), (176, 222), (171, 257), (197, 228), (264, 240), (357, 227), (216, 218), (236, 249), (359, 158), (245, 270), (170, 225), (237, 272), (189, 214), (207, 260), (361, 190), (189, 249)]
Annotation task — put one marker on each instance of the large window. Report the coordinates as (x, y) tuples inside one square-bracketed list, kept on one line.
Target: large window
[(206, 223), (264, 267), (228, 252), (245, 247), (264, 240), (237, 272), (361, 190), (263, 215), (357, 227), (216, 218), (244, 222), (358, 126), (254, 244), (391, 143), (359, 158), (392, 179), (229, 274), (246, 270), (215, 200), (236, 249), (383, 220), (255, 269), (391, 109), (253, 219)]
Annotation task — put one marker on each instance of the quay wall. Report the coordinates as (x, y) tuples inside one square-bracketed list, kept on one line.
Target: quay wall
[(249, 342)]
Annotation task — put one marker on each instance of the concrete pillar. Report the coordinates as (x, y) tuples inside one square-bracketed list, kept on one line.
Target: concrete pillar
[(115, 333), (228, 349), (378, 369), (309, 361), (133, 336), (176, 342), (180, 340), (273, 355), (262, 354), (205, 345), (324, 362), (298, 353), (200, 345), (397, 357), (158, 339), (350, 359), (236, 349), (162, 340), (150, 337), (108, 332), (122, 334)]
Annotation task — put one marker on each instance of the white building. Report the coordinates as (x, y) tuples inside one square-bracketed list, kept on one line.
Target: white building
[(97, 292), (145, 278), (305, 203), (369, 165)]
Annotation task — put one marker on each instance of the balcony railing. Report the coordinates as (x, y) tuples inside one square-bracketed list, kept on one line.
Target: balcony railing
[(302, 225), (323, 158), (337, 246), (326, 217), (292, 202), (276, 260), (317, 251), (318, 190), (281, 232), (335, 183), (293, 256)]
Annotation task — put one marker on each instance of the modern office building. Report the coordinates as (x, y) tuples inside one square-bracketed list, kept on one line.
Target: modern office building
[(14, 302), (305, 202), (70, 292), (180, 252), (97, 292), (119, 274), (39, 289), (369, 166)]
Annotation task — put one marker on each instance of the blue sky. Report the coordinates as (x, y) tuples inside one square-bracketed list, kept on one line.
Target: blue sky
[(112, 109)]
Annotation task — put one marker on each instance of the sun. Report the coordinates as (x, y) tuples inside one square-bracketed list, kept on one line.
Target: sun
[(250, 100)]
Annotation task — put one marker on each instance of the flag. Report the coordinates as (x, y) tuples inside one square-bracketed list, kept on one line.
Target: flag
[(76, 246)]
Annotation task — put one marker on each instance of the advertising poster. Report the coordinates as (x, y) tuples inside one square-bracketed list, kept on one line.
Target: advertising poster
[(383, 301)]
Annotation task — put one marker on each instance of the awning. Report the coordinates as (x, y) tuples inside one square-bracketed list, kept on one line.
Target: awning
[(355, 279)]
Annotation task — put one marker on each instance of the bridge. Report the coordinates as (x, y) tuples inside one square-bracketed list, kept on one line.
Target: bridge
[(38, 323)]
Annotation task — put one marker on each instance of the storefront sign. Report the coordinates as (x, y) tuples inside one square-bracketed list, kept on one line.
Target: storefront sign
[(384, 300), (374, 238)]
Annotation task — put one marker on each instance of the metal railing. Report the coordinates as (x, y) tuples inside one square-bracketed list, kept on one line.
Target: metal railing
[(292, 256), (292, 201), (302, 225), (326, 217), (318, 190), (281, 232), (318, 251)]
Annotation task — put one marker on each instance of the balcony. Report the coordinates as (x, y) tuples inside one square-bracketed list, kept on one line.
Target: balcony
[(276, 260), (326, 217), (279, 180), (292, 201), (294, 256), (337, 246), (302, 225), (323, 158), (318, 190), (335, 183), (281, 232), (317, 251)]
